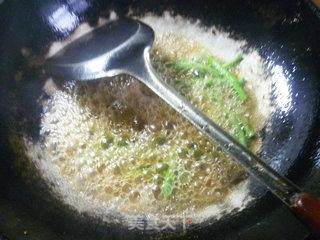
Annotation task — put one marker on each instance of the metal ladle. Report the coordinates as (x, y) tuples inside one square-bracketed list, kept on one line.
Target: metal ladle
[(123, 46)]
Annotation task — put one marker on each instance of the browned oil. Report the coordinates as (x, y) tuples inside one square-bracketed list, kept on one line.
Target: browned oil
[(114, 140)]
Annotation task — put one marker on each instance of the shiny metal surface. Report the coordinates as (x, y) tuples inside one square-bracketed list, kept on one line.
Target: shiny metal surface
[(106, 51)]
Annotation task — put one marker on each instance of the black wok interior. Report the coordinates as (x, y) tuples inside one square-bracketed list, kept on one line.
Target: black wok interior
[(286, 33)]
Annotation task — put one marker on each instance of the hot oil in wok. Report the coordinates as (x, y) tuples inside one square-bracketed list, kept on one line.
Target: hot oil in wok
[(114, 148), (118, 143)]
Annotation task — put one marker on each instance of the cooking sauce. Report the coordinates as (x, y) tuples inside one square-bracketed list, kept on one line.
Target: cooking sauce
[(113, 147), (116, 141)]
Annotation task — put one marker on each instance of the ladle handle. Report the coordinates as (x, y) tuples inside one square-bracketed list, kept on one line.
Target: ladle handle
[(283, 188), (307, 208)]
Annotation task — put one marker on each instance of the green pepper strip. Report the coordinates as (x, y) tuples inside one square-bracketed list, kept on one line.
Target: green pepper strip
[(168, 183), (210, 66), (232, 79)]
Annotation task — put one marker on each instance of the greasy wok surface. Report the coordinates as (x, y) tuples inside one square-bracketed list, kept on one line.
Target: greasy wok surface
[(286, 33)]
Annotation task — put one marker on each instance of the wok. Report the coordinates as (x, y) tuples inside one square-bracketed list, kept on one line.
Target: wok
[(286, 33)]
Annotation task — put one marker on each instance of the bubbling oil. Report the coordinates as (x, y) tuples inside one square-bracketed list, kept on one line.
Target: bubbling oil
[(115, 141)]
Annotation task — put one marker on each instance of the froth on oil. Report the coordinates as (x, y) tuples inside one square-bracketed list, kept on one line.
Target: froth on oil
[(113, 148)]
